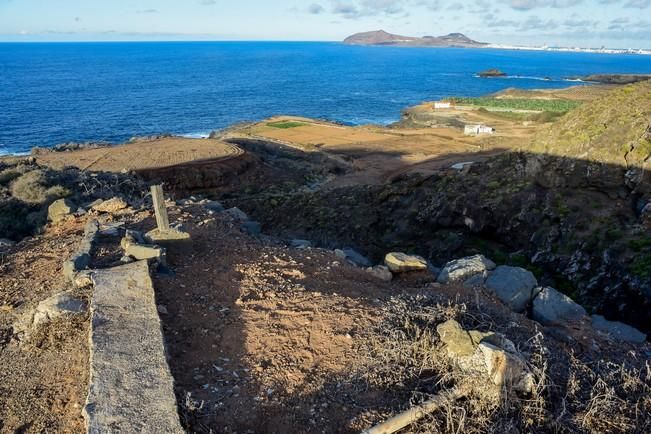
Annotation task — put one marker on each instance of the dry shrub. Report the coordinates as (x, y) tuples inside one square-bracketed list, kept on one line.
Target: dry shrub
[(404, 358), (35, 188)]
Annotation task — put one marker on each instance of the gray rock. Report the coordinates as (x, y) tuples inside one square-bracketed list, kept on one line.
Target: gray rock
[(513, 285), (551, 307), (353, 257), (60, 209), (237, 214), (300, 244), (380, 272), (56, 306), (461, 270), (251, 227), (617, 330), (214, 206)]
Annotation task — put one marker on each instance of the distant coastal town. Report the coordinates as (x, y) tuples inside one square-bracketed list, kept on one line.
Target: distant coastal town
[(602, 50)]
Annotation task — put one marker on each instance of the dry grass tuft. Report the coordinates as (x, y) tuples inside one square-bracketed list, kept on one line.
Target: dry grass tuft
[(35, 188), (404, 358)]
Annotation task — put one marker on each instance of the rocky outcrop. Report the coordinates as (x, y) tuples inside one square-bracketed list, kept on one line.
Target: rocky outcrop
[(491, 73), (514, 286)]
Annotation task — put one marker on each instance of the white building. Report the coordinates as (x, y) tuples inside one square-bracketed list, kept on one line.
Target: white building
[(442, 105), (476, 130)]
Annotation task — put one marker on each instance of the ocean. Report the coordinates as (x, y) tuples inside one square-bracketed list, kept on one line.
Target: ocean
[(53, 93)]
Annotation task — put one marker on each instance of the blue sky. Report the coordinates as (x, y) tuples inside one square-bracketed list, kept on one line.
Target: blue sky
[(613, 23)]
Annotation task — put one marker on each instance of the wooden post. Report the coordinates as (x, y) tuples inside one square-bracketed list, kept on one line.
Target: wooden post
[(162, 220)]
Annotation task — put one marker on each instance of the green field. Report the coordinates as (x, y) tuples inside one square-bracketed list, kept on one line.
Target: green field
[(542, 105), (285, 124)]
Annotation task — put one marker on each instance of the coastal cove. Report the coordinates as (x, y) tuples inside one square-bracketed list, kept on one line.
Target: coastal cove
[(54, 93)]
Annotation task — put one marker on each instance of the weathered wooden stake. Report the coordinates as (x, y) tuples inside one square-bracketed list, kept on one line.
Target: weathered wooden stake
[(162, 220)]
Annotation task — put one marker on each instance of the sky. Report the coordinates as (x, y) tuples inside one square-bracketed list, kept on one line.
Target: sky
[(582, 23)]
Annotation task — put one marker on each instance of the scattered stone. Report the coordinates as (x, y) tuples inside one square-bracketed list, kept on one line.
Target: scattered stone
[(80, 259), (513, 285), (551, 307), (126, 259), (162, 309), (60, 210), (461, 270), (458, 341), (401, 262), (381, 272), (83, 279), (157, 236), (214, 206), (111, 206), (251, 228), (507, 369), (300, 244), (353, 257), (486, 354), (142, 252), (617, 330), (57, 305), (111, 229), (237, 214)]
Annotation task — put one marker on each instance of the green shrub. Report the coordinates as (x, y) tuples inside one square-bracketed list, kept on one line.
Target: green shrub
[(285, 124)]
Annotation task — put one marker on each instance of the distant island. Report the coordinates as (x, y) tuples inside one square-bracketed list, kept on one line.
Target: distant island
[(380, 37), (459, 40)]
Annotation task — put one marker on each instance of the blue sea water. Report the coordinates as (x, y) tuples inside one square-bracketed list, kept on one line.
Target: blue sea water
[(58, 92)]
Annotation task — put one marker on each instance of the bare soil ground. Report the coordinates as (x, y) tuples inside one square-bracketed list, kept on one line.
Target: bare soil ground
[(266, 339), (157, 153), (43, 380)]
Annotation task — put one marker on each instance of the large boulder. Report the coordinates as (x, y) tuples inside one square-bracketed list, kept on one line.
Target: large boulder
[(401, 262), (550, 307), (463, 269), (617, 330), (513, 285), (60, 209)]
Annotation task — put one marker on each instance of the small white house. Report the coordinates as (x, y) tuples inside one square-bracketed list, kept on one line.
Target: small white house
[(438, 105), (476, 130)]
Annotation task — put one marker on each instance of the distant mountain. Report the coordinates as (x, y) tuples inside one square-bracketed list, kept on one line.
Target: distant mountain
[(380, 37)]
